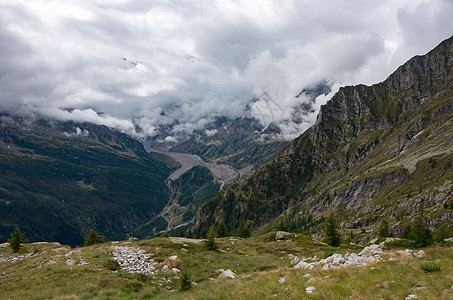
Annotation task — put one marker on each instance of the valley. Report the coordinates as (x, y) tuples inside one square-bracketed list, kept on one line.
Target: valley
[(224, 173)]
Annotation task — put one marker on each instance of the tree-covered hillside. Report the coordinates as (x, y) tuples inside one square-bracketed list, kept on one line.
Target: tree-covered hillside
[(58, 180)]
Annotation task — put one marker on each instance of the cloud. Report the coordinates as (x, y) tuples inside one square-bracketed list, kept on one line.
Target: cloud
[(147, 64)]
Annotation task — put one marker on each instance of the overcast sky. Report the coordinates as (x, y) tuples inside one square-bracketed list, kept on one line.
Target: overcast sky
[(150, 63)]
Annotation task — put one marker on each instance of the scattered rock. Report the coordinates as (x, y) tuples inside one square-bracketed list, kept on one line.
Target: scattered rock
[(448, 240), (133, 239), (408, 252), (306, 275), (419, 254), (70, 262), (282, 280), (295, 260), (304, 265), (13, 259), (228, 274), (174, 257), (310, 289), (4, 245), (282, 235), (411, 296), (175, 270), (165, 268)]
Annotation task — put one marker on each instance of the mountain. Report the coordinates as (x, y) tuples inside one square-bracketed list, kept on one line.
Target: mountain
[(59, 179), (375, 152)]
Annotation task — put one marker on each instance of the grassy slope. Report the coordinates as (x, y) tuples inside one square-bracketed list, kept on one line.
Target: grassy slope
[(260, 260)]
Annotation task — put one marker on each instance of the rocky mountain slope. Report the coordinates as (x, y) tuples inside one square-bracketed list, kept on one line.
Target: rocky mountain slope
[(59, 179), (380, 151)]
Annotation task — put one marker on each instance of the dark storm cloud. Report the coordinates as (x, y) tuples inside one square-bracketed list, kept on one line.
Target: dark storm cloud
[(151, 63)]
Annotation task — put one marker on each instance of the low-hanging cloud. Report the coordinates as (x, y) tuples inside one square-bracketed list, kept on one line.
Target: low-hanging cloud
[(129, 64)]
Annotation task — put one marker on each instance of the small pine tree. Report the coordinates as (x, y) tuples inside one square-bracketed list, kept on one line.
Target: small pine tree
[(17, 238), (210, 243), (93, 238), (222, 230), (422, 234), (332, 235), (384, 229), (242, 231), (185, 283)]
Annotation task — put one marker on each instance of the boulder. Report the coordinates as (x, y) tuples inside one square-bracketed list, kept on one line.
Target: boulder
[(282, 235), (370, 251), (310, 289), (228, 274)]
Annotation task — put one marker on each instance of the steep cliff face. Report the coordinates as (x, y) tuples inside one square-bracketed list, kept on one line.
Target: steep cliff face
[(374, 150)]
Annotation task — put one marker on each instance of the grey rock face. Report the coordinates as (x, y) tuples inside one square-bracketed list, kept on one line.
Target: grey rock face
[(283, 235)]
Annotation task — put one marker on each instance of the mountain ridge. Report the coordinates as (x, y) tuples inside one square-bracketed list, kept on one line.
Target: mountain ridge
[(360, 128)]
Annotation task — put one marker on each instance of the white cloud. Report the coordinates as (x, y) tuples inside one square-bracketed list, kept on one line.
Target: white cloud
[(210, 133), (188, 61)]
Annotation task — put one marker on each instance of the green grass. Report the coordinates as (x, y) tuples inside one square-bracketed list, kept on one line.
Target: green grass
[(260, 261)]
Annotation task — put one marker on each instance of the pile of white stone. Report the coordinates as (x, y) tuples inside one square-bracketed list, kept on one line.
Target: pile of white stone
[(368, 255), (133, 260)]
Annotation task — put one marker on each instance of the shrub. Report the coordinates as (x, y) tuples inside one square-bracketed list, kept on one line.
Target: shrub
[(112, 264), (400, 244), (185, 283), (282, 227), (430, 268), (17, 238)]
